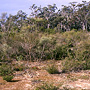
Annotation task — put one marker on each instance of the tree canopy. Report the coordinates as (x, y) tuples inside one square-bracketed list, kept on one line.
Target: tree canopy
[(74, 16)]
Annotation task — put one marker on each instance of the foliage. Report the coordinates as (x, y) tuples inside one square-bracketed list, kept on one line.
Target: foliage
[(75, 65), (8, 78), (52, 69), (48, 34), (49, 19), (60, 52), (19, 67), (6, 70), (38, 46), (50, 31), (47, 87)]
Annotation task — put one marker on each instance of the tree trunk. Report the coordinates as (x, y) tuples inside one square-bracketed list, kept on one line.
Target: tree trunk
[(83, 26), (86, 25), (48, 26)]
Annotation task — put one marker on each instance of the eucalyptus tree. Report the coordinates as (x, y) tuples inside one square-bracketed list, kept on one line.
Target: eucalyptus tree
[(9, 23), (46, 12), (83, 14), (49, 13), (21, 17), (43, 16), (66, 10), (34, 10), (3, 19), (68, 13)]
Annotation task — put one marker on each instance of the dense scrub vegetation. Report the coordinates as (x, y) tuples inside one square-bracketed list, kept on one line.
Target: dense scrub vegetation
[(47, 34), (73, 47), (7, 72), (43, 46)]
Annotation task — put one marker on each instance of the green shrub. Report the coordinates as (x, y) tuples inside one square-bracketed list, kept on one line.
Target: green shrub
[(86, 65), (47, 87), (75, 65), (19, 58), (0, 36), (82, 51), (19, 67), (50, 31), (45, 47), (8, 78), (52, 69), (5, 70), (60, 52), (72, 65)]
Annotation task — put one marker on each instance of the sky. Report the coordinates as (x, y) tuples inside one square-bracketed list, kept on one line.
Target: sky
[(13, 6)]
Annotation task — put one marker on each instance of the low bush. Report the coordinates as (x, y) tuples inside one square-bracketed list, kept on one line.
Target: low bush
[(19, 67), (86, 65), (60, 52), (50, 31), (75, 65), (47, 87), (52, 69), (8, 78), (5, 70)]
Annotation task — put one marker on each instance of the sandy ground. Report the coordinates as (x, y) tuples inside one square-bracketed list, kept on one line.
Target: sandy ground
[(36, 75)]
